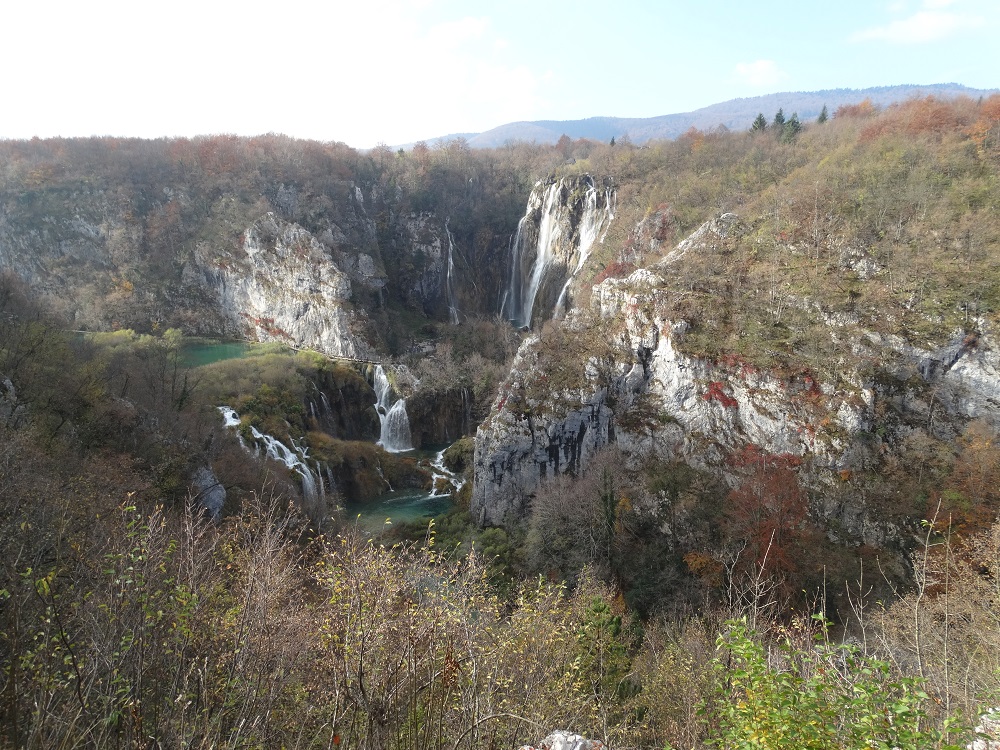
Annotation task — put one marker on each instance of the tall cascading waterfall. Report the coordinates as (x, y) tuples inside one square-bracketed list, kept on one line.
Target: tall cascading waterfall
[(394, 435), (449, 283), (571, 215), (593, 227)]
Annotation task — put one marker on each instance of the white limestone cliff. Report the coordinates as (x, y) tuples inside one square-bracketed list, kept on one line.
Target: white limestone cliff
[(284, 286), (703, 410)]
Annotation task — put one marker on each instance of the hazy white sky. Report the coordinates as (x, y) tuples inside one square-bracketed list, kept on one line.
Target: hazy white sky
[(396, 71)]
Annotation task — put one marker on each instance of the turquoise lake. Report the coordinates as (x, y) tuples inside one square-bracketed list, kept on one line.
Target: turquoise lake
[(199, 353)]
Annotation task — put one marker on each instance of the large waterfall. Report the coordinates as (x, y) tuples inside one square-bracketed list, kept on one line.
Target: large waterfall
[(395, 433), (560, 227), (592, 227)]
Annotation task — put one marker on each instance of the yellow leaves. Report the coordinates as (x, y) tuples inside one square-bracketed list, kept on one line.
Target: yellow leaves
[(122, 287)]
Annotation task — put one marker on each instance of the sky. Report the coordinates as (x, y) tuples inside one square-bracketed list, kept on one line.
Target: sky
[(397, 71)]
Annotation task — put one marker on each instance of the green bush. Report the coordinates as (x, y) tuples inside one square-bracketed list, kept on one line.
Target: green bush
[(817, 696)]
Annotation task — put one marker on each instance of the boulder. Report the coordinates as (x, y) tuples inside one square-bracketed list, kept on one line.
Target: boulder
[(560, 740)]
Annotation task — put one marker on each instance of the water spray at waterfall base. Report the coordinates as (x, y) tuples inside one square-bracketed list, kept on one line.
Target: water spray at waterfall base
[(394, 435)]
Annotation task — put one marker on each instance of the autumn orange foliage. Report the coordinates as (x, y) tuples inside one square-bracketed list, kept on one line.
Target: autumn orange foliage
[(858, 111), (921, 116)]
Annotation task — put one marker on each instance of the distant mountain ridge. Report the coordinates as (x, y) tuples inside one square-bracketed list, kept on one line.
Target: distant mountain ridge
[(735, 114)]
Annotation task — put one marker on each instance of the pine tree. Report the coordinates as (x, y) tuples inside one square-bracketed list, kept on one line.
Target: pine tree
[(759, 125), (823, 116), (779, 120), (791, 128)]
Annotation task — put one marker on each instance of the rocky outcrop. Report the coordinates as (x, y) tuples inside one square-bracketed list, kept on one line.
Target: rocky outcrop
[(208, 493), (439, 417), (988, 731), (285, 287), (11, 412), (653, 399), (963, 375), (515, 451), (565, 740)]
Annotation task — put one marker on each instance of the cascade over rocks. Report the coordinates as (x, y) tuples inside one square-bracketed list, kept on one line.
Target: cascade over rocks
[(339, 404), (394, 435)]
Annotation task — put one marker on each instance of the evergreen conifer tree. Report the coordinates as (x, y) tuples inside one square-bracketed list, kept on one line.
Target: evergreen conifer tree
[(779, 120), (760, 124), (823, 116), (791, 128)]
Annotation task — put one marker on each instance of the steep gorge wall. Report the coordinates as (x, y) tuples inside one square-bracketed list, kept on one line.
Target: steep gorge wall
[(651, 399), (278, 240)]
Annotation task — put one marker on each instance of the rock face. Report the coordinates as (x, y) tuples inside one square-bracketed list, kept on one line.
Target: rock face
[(11, 412), (284, 287), (208, 492), (515, 451), (989, 729), (652, 399), (339, 403), (440, 418), (69, 251), (306, 269), (428, 242)]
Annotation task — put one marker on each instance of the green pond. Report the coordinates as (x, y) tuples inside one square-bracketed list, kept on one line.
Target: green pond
[(196, 353), (393, 508), (402, 506)]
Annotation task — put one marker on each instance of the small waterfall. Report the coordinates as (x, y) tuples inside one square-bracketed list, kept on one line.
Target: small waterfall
[(229, 417), (295, 458), (318, 407), (466, 411), (449, 284), (556, 227), (381, 473), (510, 302), (443, 481), (394, 435)]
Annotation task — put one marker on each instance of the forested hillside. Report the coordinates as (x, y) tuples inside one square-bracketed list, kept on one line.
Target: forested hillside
[(730, 481)]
